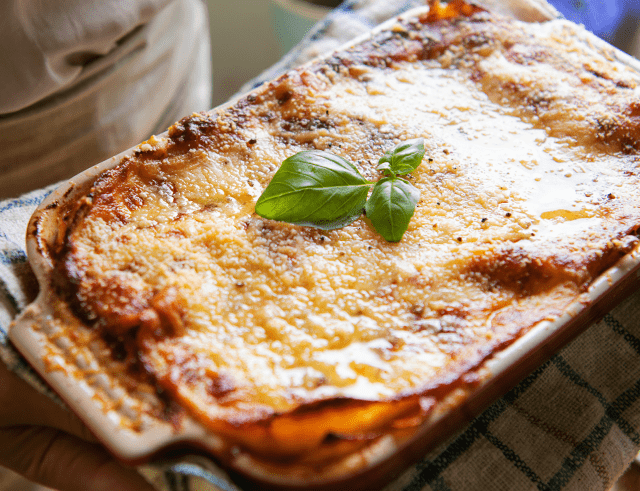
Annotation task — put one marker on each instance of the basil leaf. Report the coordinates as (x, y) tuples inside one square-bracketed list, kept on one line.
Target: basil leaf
[(391, 206), (385, 167), (317, 189), (404, 158)]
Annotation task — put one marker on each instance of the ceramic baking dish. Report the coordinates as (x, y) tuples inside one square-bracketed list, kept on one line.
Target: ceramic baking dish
[(133, 437)]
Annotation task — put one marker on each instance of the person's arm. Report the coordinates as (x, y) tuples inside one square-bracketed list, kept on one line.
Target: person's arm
[(50, 446)]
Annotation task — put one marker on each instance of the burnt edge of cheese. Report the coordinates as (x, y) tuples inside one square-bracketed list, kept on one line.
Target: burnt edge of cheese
[(127, 321)]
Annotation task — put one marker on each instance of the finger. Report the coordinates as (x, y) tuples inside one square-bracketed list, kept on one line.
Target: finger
[(64, 462), (22, 405)]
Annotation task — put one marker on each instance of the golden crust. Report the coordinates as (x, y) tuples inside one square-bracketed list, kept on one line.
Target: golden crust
[(303, 346)]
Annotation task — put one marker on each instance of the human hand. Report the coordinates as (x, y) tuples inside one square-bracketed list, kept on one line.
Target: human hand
[(50, 446)]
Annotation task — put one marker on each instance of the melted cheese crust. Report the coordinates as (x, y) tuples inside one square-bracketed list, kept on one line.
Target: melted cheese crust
[(529, 190)]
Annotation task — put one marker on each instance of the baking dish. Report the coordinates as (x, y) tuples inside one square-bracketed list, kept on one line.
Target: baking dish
[(133, 436)]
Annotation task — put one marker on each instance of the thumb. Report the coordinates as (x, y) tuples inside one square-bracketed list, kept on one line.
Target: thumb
[(21, 405), (65, 462)]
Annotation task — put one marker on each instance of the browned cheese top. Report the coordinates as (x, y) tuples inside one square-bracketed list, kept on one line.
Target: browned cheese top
[(529, 190)]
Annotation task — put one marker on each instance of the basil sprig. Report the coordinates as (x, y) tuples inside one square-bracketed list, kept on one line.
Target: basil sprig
[(404, 158), (322, 190)]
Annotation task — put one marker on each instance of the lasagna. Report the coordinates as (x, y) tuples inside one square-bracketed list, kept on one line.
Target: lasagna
[(303, 349)]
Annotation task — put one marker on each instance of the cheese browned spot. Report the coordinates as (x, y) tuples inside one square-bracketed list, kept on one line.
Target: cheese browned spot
[(290, 341)]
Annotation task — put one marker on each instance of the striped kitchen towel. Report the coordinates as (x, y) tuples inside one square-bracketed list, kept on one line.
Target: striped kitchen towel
[(572, 424)]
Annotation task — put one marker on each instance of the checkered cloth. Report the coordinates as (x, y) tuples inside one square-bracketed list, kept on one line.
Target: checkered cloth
[(572, 424)]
